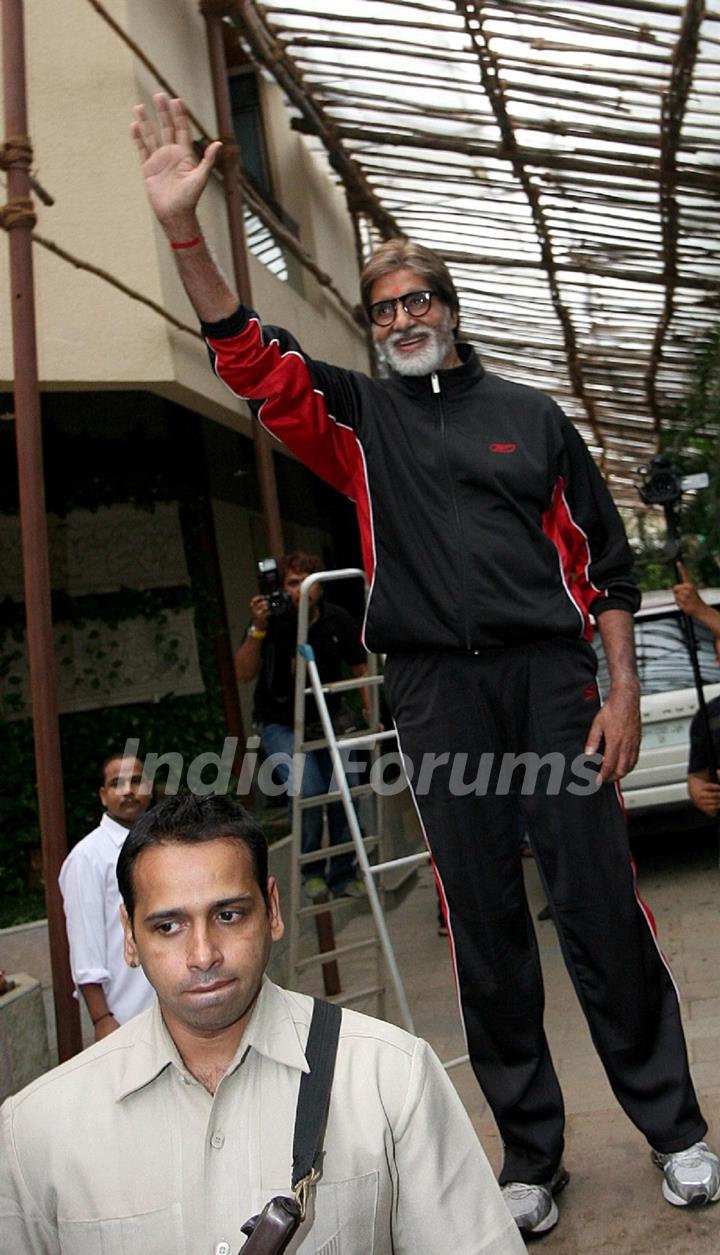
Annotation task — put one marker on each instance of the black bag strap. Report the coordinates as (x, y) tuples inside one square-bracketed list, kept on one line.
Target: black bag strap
[(315, 1087)]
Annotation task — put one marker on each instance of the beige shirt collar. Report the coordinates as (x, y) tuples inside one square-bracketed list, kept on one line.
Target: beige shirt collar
[(271, 1031)]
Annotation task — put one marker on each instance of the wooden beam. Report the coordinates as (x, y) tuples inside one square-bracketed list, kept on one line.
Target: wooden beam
[(672, 115)]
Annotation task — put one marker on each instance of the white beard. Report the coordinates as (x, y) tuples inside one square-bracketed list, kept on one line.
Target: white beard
[(426, 359)]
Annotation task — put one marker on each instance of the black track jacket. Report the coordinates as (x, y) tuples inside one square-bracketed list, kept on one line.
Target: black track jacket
[(483, 518)]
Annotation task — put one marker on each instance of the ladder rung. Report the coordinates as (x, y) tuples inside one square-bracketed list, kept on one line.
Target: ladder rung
[(320, 799), (455, 1063), (329, 851), (407, 861), (343, 686), (361, 739), (345, 999), (324, 955), (317, 908), (366, 739)]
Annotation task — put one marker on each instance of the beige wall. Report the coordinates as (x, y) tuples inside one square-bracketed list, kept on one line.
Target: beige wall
[(82, 84)]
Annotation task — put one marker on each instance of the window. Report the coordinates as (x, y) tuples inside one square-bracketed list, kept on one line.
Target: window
[(245, 101), (662, 656), (248, 126)]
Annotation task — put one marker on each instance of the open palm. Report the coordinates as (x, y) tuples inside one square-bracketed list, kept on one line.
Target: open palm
[(173, 178)]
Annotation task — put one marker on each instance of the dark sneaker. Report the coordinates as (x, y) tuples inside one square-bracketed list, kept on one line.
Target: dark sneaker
[(690, 1177), (533, 1207)]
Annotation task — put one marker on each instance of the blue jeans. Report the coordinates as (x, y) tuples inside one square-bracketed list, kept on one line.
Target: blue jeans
[(277, 740)]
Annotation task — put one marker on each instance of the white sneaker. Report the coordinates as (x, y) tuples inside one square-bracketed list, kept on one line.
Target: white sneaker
[(316, 888), (690, 1177), (533, 1207)]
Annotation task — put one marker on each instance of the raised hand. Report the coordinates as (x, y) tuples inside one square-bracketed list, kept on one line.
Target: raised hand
[(687, 595), (174, 180)]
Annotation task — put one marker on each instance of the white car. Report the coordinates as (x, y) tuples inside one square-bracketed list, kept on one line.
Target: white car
[(668, 701)]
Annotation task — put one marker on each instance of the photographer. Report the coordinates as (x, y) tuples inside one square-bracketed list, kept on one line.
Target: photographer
[(268, 655), (704, 792)]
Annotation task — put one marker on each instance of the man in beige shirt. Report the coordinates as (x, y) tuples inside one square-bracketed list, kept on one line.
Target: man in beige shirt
[(166, 1136)]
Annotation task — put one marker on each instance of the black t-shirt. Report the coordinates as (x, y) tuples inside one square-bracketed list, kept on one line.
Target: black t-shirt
[(698, 749), (335, 639)]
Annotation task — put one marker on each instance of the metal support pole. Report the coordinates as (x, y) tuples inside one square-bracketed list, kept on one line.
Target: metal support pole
[(41, 653), (236, 224)]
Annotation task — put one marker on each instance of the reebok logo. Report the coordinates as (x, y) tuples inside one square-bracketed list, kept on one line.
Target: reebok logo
[(502, 448), (590, 693)]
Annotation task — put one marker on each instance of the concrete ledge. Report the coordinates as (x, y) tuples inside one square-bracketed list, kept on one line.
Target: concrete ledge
[(23, 1035)]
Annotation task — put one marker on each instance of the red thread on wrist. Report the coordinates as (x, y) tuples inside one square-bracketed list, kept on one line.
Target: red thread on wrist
[(186, 243)]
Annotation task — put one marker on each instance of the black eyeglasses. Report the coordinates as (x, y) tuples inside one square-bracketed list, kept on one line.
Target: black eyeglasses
[(416, 304)]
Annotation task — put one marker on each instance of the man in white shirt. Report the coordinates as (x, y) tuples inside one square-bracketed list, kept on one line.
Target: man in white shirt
[(168, 1136), (113, 992)]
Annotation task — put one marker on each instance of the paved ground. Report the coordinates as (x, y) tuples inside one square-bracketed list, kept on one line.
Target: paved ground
[(613, 1202)]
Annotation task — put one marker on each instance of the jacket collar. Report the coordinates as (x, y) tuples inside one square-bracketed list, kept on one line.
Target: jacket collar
[(271, 1032), (454, 382)]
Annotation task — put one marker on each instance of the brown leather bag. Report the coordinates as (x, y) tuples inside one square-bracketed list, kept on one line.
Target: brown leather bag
[(271, 1231)]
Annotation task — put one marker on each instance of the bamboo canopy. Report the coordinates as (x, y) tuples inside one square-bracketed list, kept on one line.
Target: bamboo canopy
[(564, 157)]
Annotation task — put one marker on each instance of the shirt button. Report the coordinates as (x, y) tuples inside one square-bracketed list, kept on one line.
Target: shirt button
[(217, 1140), (222, 1248)]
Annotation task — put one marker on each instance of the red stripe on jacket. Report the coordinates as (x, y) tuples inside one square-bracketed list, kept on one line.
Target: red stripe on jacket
[(295, 412), (573, 549)]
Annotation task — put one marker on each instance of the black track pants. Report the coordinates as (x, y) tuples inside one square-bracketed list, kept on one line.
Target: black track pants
[(538, 699)]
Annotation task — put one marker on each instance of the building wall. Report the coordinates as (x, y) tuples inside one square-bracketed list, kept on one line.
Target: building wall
[(82, 84)]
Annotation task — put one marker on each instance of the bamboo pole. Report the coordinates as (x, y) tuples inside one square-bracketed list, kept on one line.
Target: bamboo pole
[(473, 18), (673, 112), (629, 168), (19, 218)]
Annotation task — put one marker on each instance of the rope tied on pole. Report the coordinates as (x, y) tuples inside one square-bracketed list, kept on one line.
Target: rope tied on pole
[(18, 213), (17, 150)]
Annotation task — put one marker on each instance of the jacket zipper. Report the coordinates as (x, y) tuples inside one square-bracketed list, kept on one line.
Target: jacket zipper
[(435, 383)]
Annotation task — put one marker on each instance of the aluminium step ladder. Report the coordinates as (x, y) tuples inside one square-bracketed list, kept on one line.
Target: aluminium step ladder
[(306, 670)]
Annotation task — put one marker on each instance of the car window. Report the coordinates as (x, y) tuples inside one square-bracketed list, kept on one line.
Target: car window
[(662, 656)]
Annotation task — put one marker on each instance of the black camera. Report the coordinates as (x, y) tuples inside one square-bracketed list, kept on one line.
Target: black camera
[(279, 602), (663, 481)]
